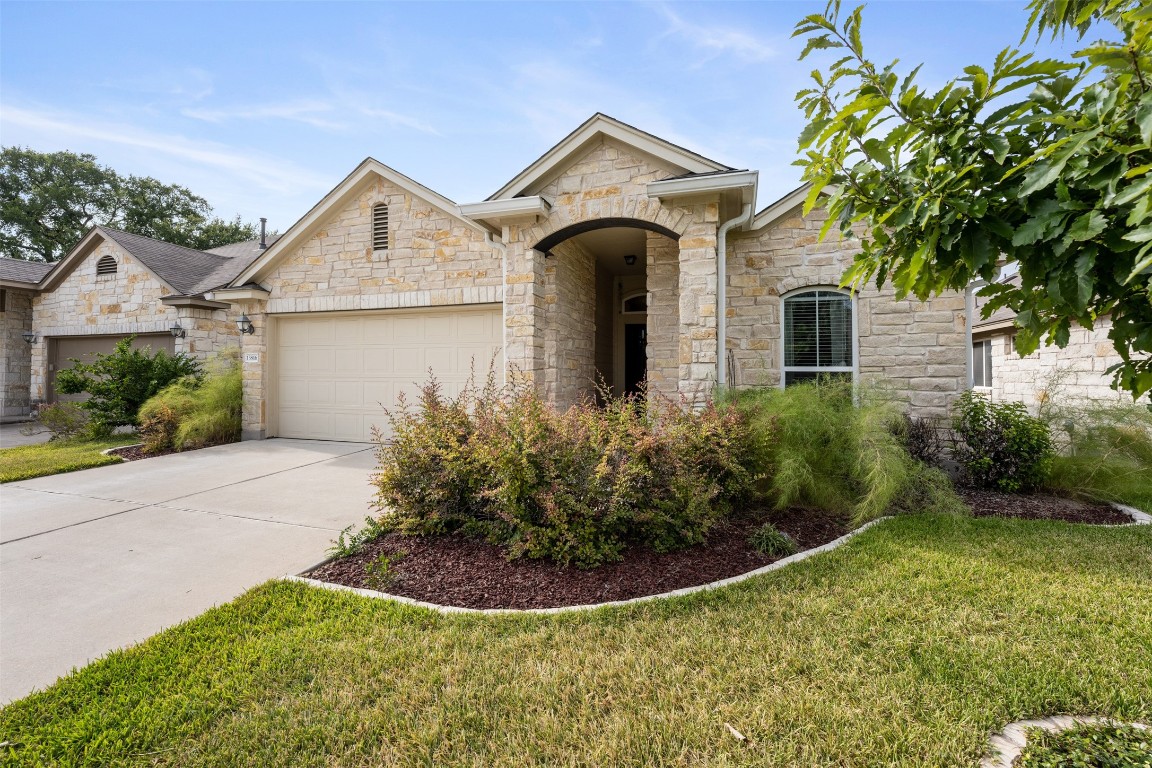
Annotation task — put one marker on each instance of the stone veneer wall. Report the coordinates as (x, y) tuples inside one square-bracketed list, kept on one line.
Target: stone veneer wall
[(1076, 373), (16, 370), (918, 349), (570, 316), (207, 331), (663, 279)]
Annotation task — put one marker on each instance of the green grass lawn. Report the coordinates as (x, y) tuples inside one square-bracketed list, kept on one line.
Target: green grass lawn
[(906, 647), (28, 461)]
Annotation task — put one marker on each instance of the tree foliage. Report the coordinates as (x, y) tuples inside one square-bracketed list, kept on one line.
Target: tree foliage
[(1041, 163), (49, 200)]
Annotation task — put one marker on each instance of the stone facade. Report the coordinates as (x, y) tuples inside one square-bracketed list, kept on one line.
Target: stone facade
[(1077, 372), (570, 300), (16, 370), (663, 278), (918, 349)]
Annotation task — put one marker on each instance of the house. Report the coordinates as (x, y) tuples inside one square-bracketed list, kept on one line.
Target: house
[(1076, 372), (111, 285), (599, 261)]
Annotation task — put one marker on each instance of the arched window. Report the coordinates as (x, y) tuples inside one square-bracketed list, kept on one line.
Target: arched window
[(819, 335), (635, 302), (106, 266), (380, 227)]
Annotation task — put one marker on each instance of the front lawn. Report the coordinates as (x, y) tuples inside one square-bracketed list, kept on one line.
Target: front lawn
[(906, 647), (52, 458)]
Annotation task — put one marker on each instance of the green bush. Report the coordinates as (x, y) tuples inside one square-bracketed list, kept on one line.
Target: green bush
[(64, 420), (836, 447), (119, 383), (771, 542), (194, 412), (1088, 746), (999, 445), (576, 486)]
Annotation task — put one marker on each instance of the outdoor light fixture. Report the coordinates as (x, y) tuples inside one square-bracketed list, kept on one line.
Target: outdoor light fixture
[(630, 259), (245, 325), (177, 331), (29, 337)]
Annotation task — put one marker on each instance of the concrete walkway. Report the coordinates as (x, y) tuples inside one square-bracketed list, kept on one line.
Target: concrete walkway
[(12, 437), (96, 560)]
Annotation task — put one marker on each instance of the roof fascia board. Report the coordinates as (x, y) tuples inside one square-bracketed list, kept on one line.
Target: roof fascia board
[(785, 204), (504, 210), (742, 181), (601, 125), (19, 285), (241, 293), (192, 301), (340, 195)]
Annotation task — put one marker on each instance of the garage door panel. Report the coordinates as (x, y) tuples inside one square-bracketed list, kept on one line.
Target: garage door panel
[(337, 374), (64, 349)]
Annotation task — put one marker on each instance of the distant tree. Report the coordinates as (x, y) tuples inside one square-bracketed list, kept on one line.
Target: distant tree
[(49, 200), (1046, 164)]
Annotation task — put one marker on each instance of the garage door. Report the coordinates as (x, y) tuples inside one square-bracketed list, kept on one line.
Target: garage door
[(337, 372), (64, 349)]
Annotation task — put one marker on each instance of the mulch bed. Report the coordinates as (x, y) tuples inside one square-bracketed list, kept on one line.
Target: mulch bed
[(470, 573), (1040, 507), (136, 452)]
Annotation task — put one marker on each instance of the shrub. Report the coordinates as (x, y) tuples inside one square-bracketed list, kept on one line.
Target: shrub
[(771, 542), (999, 445), (577, 486), (64, 420), (380, 573), (834, 447), (194, 412), (1088, 745), (351, 541), (920, 437), (119, 383)]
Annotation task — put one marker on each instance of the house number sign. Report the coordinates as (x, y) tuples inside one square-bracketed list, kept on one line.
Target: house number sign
[(251, 357)]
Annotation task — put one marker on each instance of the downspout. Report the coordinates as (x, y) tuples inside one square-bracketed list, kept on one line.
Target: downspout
[(501, 246), (722, 293)]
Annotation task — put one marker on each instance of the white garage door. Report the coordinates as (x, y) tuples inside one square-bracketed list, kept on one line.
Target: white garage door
[(336, 372)]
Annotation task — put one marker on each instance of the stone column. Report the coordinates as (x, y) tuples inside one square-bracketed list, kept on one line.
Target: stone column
[(16, 373), (524, 303), (663, 282), (206, 332), (697, 285), (255, 372)]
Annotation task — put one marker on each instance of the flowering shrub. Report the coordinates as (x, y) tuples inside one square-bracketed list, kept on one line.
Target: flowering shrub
[(577, 486)]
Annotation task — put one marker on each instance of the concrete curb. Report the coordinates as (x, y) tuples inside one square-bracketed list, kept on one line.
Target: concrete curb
[(108, 451), (591, 607), (1138, 517), (1007, 745)]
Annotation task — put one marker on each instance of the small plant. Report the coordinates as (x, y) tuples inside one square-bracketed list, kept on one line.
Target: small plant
[(351, 541), (1091, 746), (64, 420), (380, 573), (920, 437), (770, 541), (999, 445)]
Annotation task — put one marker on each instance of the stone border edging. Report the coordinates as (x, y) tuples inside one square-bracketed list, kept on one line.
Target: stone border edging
[(1007, 745), (593, 606), (1138, 517), (108, 451)]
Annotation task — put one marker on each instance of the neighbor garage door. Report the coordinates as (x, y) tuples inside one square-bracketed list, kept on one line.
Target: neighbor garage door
[(336, 372), (64, 349)]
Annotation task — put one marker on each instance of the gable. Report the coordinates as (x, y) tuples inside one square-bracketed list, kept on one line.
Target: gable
[(607, 168)]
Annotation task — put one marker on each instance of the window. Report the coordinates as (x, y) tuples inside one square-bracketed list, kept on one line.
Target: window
[(819, 337), (635, 302), (3, 300), (106, 266), (379, 227), (982, 363)]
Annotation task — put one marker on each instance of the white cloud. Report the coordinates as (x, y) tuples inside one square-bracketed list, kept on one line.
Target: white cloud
[(305, 111), (716, 40), (399, 120)]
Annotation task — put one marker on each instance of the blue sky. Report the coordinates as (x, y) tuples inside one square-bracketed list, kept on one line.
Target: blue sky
[(262, 107)]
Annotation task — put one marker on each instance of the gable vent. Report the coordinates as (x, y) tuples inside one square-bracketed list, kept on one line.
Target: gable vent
[(379, 227), (106, 266)]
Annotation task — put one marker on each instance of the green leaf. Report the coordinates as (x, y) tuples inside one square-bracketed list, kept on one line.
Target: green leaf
[(997, 144), (1087, 226), (1141, 235), (1144, 119)]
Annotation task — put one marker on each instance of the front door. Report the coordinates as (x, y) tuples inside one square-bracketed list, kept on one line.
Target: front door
[(635, 356)]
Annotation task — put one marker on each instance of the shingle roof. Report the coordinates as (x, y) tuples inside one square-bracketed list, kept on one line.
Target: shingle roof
[(23, 271), (182, 268), (241, 249)]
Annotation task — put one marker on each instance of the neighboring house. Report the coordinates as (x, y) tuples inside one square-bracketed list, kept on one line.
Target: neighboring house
[(1077, 371), (597, 262), (18, 285), (110, 286)]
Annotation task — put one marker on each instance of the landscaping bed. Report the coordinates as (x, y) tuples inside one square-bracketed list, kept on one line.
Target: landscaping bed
[(136, 452), (471, 573), (1040, 506)]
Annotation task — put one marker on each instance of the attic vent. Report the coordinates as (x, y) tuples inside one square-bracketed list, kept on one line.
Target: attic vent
[(106, 266), (379, 227)]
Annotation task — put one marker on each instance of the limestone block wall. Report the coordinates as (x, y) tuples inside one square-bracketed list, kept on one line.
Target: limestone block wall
[(663, 278), (570, 324), (1075, 373), (255, 374), (16, 355), (697, 299), (206, 331), (917, 349)]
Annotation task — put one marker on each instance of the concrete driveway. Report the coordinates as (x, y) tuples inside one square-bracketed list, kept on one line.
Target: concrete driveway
[(96, 560)]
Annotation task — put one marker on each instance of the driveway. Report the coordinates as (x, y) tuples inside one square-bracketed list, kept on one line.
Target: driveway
[(100, 559), (12, 436)]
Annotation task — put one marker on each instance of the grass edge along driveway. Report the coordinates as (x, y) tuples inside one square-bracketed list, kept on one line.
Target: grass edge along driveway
[(906, 647), (56, 456)]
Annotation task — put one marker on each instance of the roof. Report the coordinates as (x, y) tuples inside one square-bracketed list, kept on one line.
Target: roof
[(241, 249), (592, 129), (1002, 317), (21, 271), (180, 267)]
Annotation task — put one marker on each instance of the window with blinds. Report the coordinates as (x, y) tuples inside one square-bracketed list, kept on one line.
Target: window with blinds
[(379, 227), (818, 336), (982, 363)]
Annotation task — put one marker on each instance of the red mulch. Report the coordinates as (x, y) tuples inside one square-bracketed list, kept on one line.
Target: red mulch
[(1040, 507), (467, 572)]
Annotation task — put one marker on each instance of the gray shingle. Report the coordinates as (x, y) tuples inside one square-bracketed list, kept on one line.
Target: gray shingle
[(23, 271), (182, 268)]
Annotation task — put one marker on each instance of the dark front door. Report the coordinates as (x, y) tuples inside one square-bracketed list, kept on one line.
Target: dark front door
[(635, 356)]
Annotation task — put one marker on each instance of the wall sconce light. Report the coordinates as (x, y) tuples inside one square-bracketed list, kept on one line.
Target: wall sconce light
[(29, 337), (245, 325), (177, 331), (630, 259)]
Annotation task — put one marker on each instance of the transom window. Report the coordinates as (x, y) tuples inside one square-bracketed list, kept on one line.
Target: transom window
[(380, 227), (982, 363), (818, 336), (635, 302), (106, 266)]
